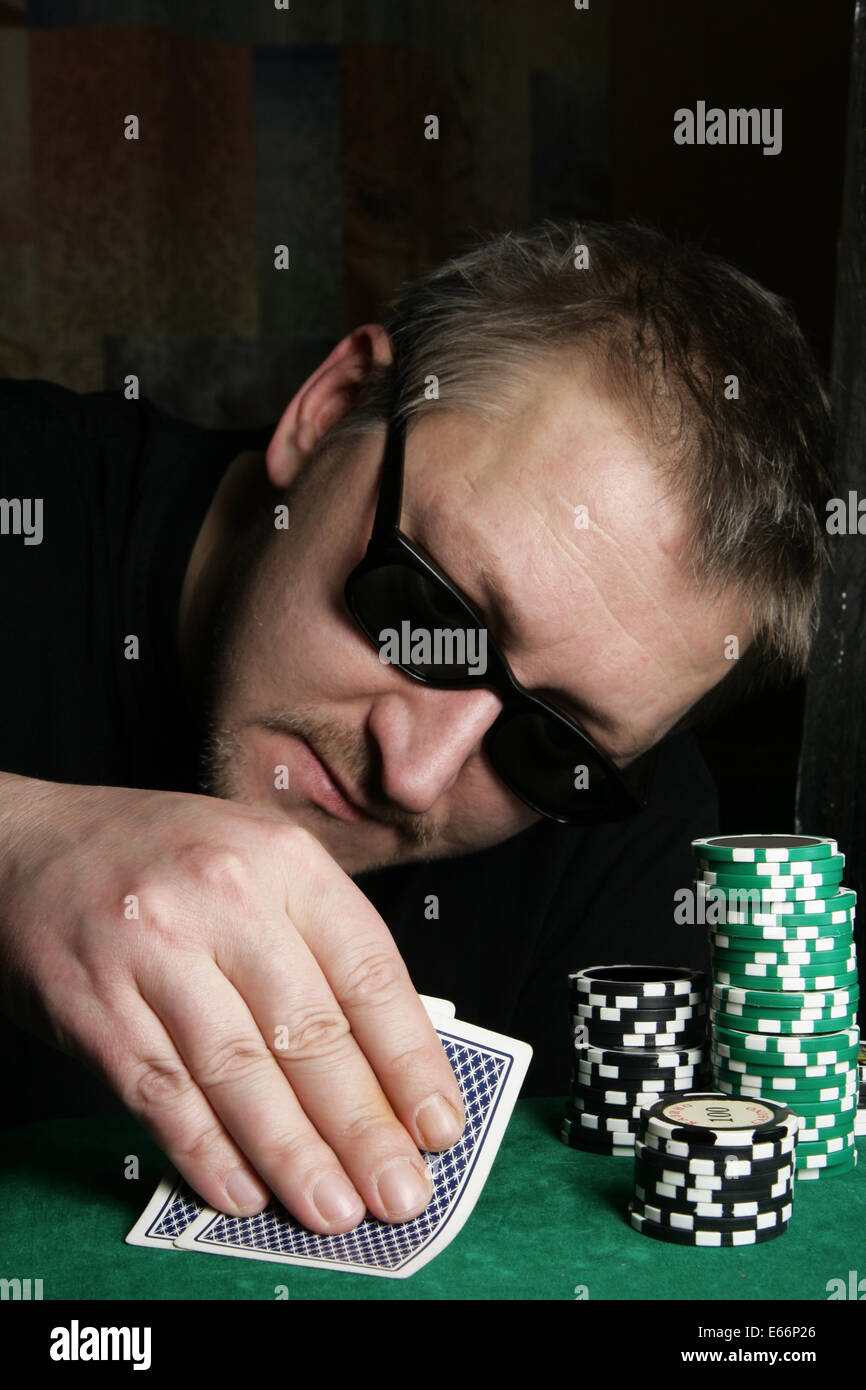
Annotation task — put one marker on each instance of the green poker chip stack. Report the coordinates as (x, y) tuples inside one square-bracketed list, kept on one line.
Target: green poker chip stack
[(783, 1001)]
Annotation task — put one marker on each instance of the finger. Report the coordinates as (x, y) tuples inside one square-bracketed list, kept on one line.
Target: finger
[(334, 1083), (372, 986), (219, 1041), (139, 1061)]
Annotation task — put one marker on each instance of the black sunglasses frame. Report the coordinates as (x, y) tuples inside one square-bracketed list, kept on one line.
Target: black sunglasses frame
[(388, 546)]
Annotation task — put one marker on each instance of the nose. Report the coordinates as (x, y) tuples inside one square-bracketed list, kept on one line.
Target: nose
[(425, 736)]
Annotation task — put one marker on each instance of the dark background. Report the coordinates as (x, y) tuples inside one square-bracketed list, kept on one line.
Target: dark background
[(260, 127)]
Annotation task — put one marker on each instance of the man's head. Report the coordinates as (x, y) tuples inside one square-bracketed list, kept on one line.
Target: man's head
[(619, 464)]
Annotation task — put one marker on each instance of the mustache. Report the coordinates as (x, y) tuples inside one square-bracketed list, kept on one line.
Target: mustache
[(356, 763)]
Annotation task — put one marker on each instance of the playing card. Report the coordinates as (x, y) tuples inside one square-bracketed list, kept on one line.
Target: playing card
[(437, 1008), (490, 1069), (174, 1206), (170, 1210)]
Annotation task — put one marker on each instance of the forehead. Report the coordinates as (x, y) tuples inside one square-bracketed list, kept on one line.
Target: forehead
[(555, 522)]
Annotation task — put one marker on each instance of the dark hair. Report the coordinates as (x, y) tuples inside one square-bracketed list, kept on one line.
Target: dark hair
[(711, 367)]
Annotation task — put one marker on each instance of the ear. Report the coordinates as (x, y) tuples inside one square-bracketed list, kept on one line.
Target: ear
[(326, 395)]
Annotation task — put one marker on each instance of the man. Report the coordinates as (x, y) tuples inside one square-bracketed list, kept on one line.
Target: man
[(613, 458)]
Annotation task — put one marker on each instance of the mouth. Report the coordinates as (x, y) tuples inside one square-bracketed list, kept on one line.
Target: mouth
[(325, 788)]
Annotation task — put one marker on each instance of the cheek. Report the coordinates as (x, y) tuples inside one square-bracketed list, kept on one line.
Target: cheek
[(296, 626)]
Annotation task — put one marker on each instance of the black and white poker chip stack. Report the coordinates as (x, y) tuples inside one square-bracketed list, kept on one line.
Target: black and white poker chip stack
[(638, 1033), (714, 1170)]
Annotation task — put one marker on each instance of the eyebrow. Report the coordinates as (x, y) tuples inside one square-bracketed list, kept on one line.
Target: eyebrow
[(503, 606)]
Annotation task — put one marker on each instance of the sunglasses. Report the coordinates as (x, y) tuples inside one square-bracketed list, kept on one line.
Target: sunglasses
[(400, 598)]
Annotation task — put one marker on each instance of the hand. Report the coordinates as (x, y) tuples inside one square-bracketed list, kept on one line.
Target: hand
[(240, 994)]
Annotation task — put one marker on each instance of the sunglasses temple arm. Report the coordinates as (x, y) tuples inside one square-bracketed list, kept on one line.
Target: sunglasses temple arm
[(391, 489)]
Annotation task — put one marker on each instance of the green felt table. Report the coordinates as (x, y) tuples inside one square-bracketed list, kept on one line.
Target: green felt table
[(549, 1222)]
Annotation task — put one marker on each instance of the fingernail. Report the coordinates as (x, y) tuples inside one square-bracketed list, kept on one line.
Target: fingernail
[(402, 1190), (336, 1198), (438, 1123), (245, 1192)]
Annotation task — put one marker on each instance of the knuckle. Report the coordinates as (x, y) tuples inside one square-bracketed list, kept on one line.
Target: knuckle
[(315, 1033), (162, 1082), (234, 1059), (413, 1061), (219, 870), (203, 1145), (374, 974), (296, 843), (367, 1122), (297, 1153), (157, 907)]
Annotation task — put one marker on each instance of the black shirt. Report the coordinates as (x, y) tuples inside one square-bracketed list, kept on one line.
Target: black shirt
[(124, 490)]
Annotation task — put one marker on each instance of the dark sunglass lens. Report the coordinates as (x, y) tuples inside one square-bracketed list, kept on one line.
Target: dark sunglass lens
[(417, 623), (541, 759)]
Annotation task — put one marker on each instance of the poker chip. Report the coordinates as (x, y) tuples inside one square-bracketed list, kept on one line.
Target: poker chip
[(727, 1166), (765, 1194), (749, 849), (718, 1187), (785, 962), (820, 950), (680, 1148), (817, 1132), (654, 1060), (820, 1090), (801, 983), (780, 1060), (808, 1112), (577, 1138), (777, 935), (795, 1063), (657, 1020), (823, 915), (823, 1148), (607, 1032), (770, 869), (711, 1118), (681, 1007), (718, 1239), (611, 1038), (709, 1211), (605, 1124), (847, 1162), (748, 891), (659, 1017), (599, 1077), (600, 1100), (742, 905), (802, 1003), (826, 1045), (756, 997), (763, 1219), (758, 1023), (732, 1066), (740, 1018), (647, 982), (765, 1182)]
